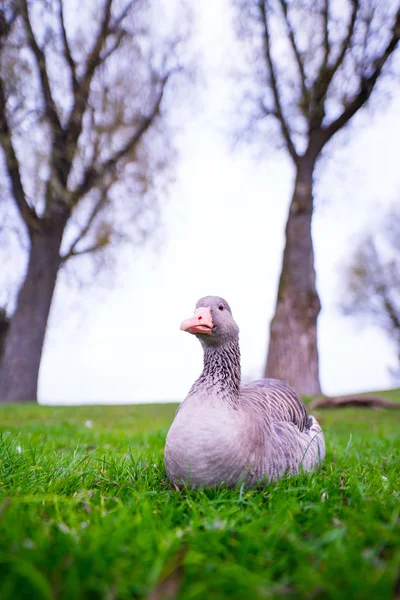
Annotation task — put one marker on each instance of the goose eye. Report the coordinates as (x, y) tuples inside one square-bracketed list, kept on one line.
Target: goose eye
[(220, 307)]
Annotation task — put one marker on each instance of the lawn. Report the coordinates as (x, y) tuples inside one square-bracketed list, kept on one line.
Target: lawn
[(86, 512)]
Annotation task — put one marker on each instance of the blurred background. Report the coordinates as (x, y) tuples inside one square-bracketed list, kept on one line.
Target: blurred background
[(154, 153)]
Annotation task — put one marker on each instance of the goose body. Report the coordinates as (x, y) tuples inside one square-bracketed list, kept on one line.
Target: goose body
[(225, 433)]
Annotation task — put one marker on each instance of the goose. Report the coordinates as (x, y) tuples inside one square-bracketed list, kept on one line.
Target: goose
[(227, 434)]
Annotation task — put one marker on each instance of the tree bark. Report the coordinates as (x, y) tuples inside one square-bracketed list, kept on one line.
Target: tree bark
[(19, 368), (293, 353), (4, 325)]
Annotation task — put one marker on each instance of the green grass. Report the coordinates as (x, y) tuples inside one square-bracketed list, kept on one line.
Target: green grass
[(87, 512)]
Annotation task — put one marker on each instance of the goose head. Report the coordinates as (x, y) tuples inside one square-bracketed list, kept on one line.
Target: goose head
[(212, 322)]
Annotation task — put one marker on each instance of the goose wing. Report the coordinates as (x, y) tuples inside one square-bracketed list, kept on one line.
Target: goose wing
[(277, 401)]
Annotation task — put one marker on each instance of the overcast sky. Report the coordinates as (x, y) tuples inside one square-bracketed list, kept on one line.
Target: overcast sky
[(223, 235)]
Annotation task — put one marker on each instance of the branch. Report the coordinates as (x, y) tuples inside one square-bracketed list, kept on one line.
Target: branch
[(118, 39), (67, 49), (383, 290), (81, 86), (85, 230), (124, 13), (75, 253), (326, 74), (368, 33), (296, 51), (74, 126), (327, 48), (346, 41), (93, 59), (391, 311), (50, 107), (27, 213), (64, 146), (274, 84), (6, 24), (357, 401), (267, 112), (367, 84), (93, 175)]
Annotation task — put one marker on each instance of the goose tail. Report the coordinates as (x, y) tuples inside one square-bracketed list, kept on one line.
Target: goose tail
[(317, 440)]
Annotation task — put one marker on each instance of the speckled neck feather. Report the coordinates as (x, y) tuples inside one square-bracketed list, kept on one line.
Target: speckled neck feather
[(221, 372)]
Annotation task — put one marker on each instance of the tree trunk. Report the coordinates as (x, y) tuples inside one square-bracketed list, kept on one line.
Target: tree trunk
[(19, 369), (4, 325), (293, 352)]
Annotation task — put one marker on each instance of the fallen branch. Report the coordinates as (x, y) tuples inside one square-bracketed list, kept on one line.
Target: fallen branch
[(357, 401)]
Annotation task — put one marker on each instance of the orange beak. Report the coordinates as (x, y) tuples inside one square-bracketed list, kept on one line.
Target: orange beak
[(201, 322)]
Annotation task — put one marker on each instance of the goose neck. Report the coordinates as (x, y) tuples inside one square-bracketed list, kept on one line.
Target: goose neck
[(221, 369)]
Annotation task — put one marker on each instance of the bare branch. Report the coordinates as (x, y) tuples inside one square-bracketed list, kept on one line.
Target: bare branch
[(347, 39), (367, 84), (274, 84), (50, 107), (296, 51), (6, 24), (27, 213), (117, 42), (96, 142), (98, 206), (64, 146), (123, 14), (384, 291), (74, 126), (67, 50), (390, 309), (68, 143), (327, 47), (93, 59), (94, 175), (75, 253), (326, 73), (267, 112)]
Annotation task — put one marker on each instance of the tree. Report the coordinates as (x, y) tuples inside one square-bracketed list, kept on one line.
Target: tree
[(371, 279), (313, 65), (85, 146)]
